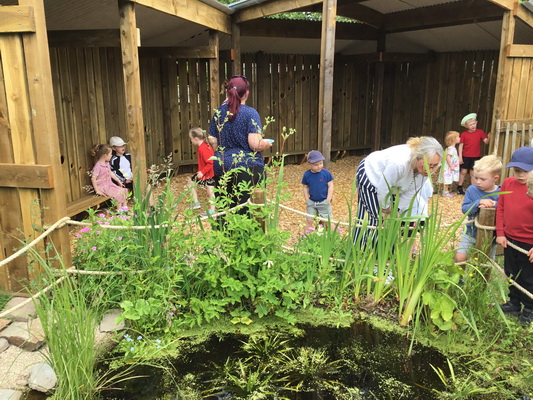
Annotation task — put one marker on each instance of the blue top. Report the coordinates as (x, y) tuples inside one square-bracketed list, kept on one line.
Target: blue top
[(473, 196), (317, 182), (233, 149)]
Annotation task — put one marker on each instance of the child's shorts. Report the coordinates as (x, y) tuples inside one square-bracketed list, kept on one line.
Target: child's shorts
[(468, 162), (468, 242), (203, 182), (322, 208)]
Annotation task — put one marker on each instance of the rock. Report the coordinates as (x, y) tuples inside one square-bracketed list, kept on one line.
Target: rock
[(4, 344), (8, 394), (22, 314), (4, 323), (42, 378), (26, 335), (108, 323)]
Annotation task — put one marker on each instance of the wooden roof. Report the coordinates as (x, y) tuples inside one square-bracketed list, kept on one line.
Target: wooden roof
[(413, 26)]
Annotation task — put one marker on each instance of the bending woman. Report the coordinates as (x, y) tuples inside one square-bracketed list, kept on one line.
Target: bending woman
[(398, 168), (238, 131)]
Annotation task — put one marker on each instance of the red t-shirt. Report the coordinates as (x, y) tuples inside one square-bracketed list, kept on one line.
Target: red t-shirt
[(514, 213), (205, 165), (472, 143)]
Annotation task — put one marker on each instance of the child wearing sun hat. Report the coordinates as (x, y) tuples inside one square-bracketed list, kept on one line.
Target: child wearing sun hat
[(514, 226), (469, 147)]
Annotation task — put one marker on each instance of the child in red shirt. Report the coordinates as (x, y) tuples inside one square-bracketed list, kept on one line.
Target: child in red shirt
[(205, 174), (469, 148), (514, 225)]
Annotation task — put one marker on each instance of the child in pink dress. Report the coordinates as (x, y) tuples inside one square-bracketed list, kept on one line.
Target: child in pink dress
[(102, 177)]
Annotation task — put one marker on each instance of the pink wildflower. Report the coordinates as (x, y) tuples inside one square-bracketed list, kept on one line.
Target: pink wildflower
[(93, 248)]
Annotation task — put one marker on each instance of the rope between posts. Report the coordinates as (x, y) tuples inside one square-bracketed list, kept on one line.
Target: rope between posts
[(24, 249), (32, 298)]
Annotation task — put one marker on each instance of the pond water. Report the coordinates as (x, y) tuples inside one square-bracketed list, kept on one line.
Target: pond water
[(373, 361)]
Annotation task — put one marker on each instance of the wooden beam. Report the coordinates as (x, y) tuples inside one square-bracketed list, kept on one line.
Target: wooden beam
[(355, 11), (214, 77), (192, 10), (16, 19), (85, 38), (520, 50), (525, 15), (506, 4), (325, 96), (236, 49), (439, 15), (267, 27), (178, 52), (26, 176), (271, 8), (132, 86)]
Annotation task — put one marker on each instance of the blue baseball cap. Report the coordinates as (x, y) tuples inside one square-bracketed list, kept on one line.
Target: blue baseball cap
[(315, 156), (522, 158)]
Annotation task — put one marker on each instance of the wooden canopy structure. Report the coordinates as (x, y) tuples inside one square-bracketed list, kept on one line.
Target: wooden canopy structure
[(73, 74)]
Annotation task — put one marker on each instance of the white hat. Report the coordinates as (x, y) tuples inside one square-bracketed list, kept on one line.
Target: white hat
[(116, 141), (467, 117)]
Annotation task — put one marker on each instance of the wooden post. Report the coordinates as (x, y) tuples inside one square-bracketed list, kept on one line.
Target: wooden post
[(503, 80), (485, 237), (44, 122), (236, 66), (132, 85), (214, 77), (327, 58), (378, 93), (259, 197)]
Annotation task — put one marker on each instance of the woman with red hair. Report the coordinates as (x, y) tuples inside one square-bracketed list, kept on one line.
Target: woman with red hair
[(239, 134)]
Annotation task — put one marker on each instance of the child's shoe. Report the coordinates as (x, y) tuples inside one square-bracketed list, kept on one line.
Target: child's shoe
[(460, 190), (205, 214), (194, 206), (448, 195), (527, 316), (511, 308)]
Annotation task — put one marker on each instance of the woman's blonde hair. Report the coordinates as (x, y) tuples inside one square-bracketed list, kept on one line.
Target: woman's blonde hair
[(424, 146), (198, 133), (490, 163), (449, 140)]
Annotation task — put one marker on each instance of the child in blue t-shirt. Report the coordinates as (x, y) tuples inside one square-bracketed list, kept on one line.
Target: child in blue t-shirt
[(481, 194), (318, 189)]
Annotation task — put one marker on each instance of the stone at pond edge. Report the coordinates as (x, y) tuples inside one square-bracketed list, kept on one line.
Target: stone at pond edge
[(22, 314), (8, 394), (26, 335), (4, 323), (4, 344), (108, 323), (42, 378)]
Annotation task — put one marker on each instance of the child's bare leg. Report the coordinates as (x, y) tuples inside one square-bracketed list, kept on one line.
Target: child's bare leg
[(446, 189), (460, 257), (211, 197), (310, 223), (190, 184), (462, 175)]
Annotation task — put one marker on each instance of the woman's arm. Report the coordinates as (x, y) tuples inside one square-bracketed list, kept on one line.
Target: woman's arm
[(257, 143)]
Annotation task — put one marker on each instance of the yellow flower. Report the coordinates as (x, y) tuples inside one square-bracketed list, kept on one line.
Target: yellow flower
[(475, 258), (511, 377), (510, 281), (470, 275)]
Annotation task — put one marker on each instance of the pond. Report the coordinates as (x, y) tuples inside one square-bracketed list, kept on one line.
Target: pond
[(357, 362)]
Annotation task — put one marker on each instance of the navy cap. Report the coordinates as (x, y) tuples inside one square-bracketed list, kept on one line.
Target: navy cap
[(315, 156), (522, 158)]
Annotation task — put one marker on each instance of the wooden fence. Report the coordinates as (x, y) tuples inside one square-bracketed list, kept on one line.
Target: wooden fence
[(419, 98), (509, 136)]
